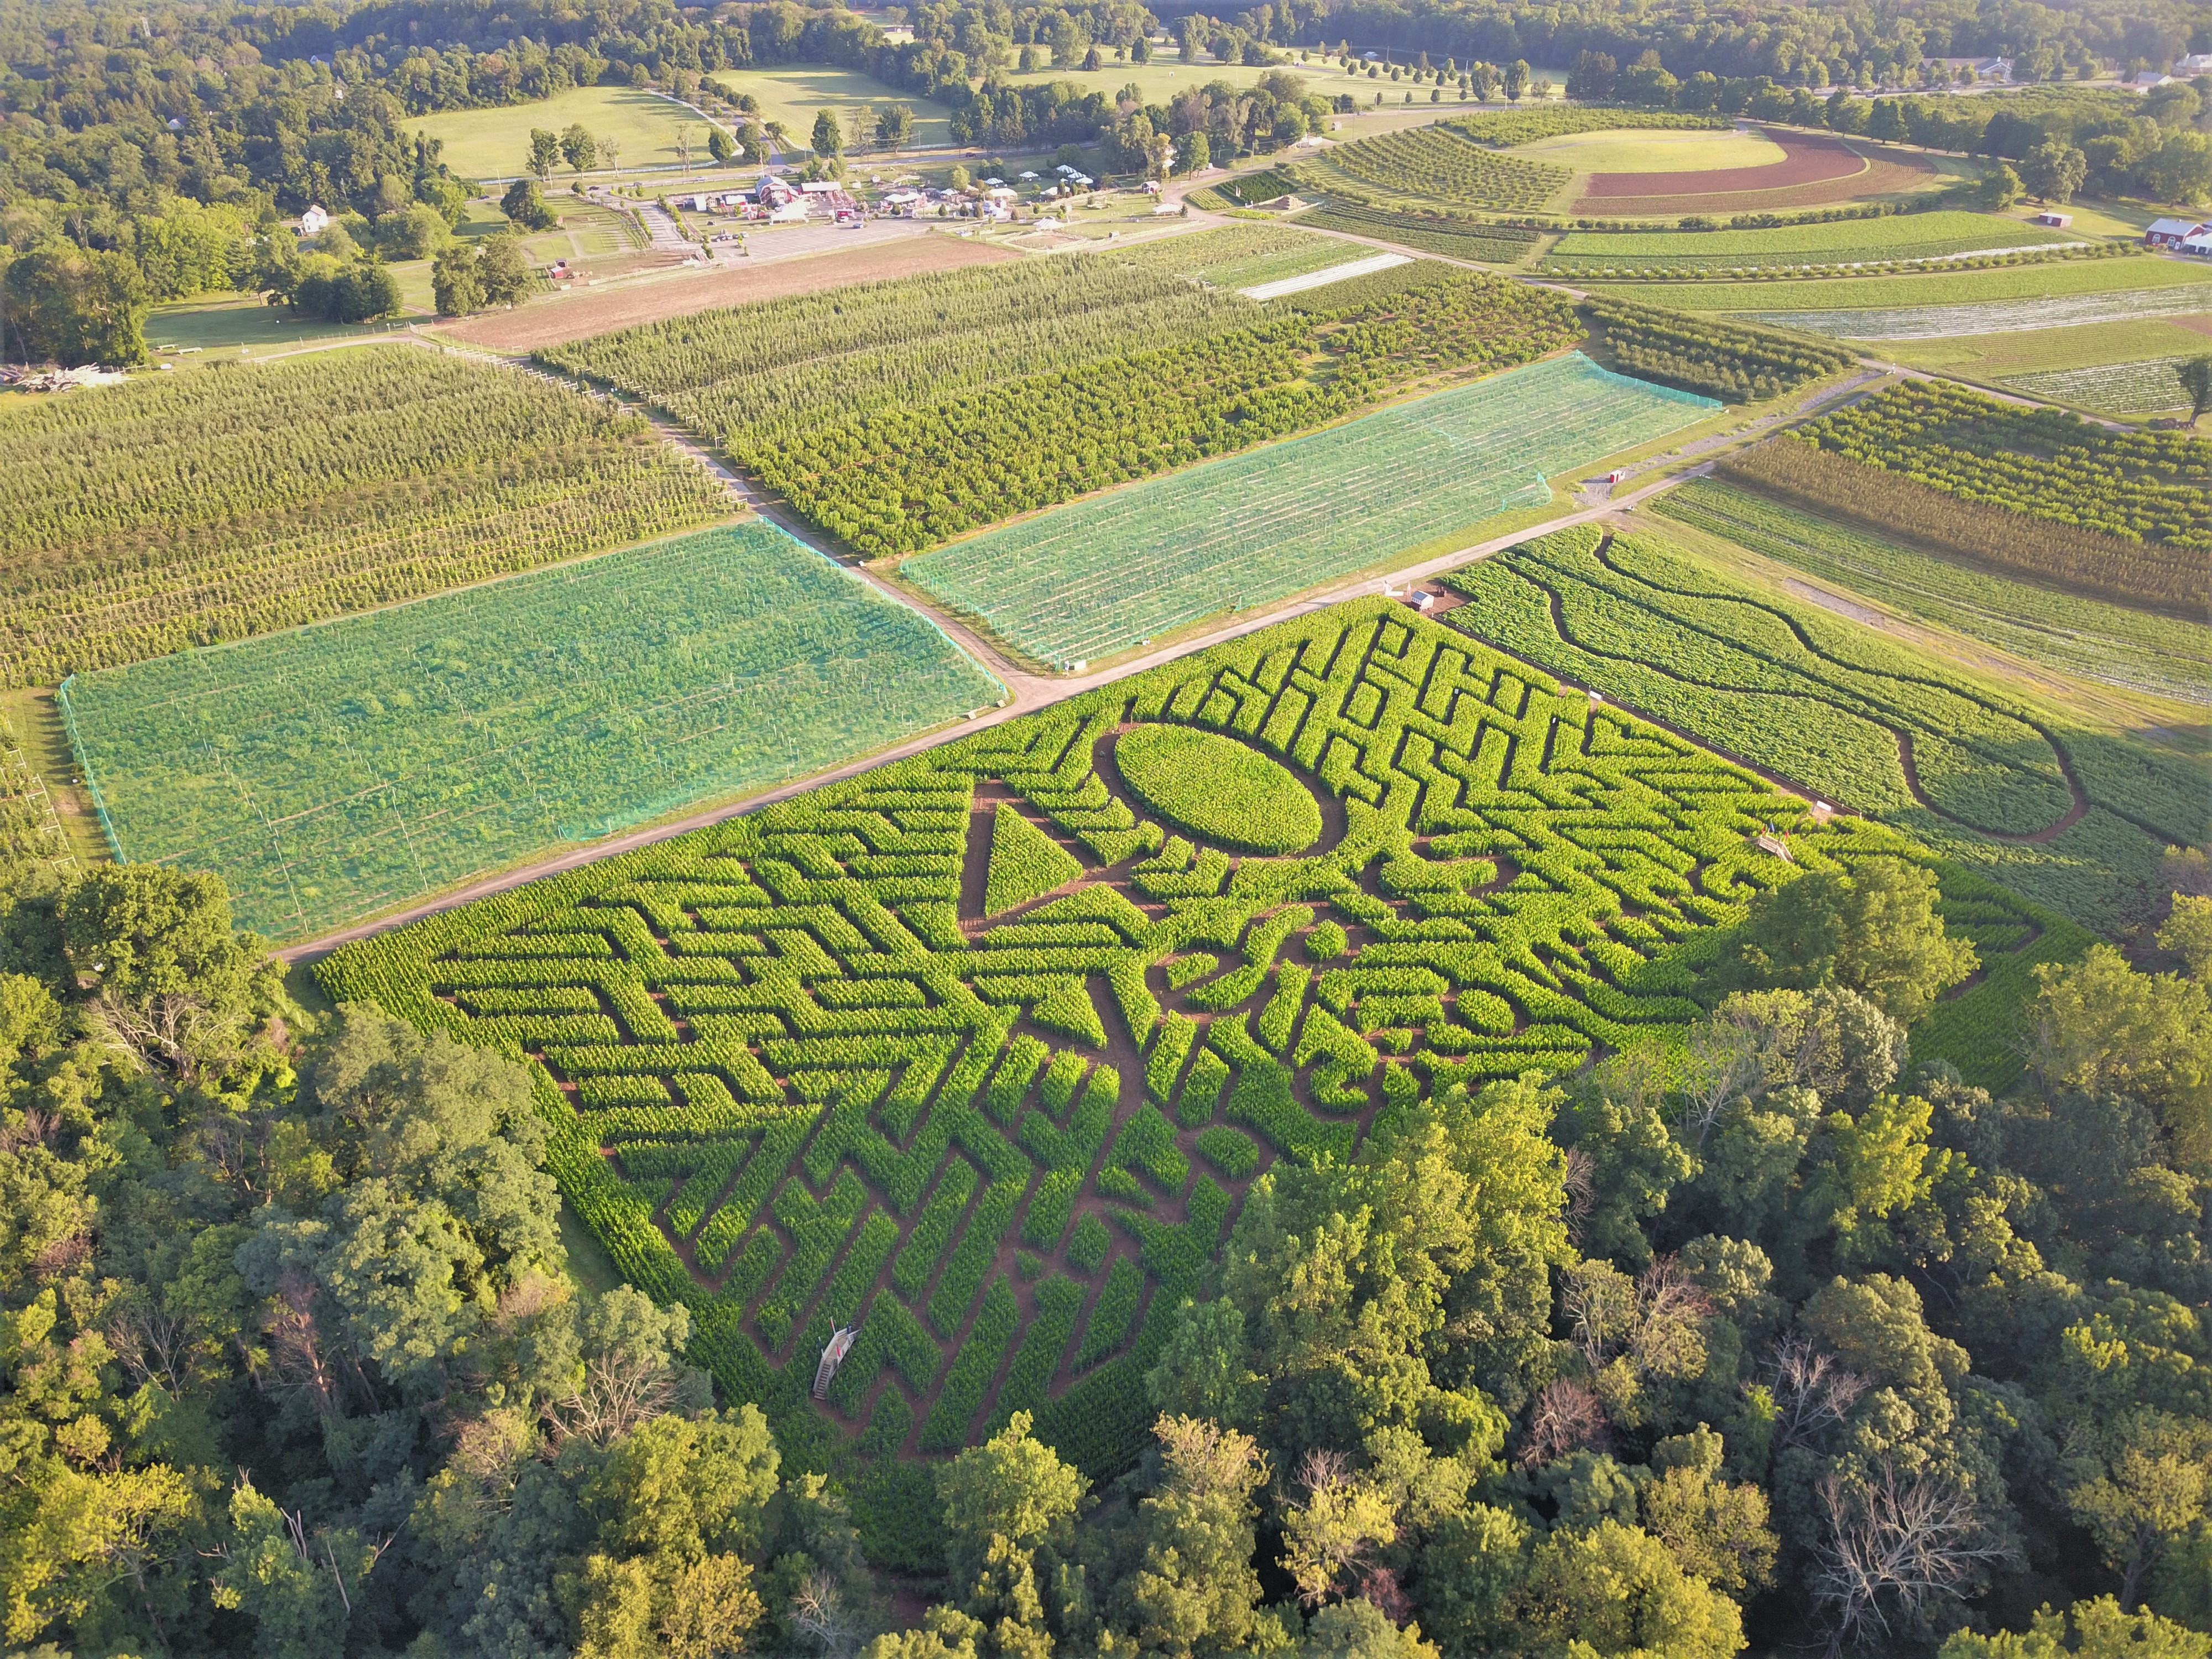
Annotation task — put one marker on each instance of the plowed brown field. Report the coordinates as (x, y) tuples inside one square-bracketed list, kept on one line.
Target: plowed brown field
[(576, 317), (1819, 170)]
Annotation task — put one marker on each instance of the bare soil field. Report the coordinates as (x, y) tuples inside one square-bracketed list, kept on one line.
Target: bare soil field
[(1810, 161), (1820, 171), (577, 317)]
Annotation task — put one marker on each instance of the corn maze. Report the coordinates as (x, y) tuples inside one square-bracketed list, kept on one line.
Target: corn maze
[(802, 1075)]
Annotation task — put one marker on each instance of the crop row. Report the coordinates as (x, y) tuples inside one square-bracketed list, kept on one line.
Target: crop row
[(204, 507), (961, 1395), (771, 371), (1113, 571), (1706, 354), (1825, 700), (2120, 645), (1432, 232), (377, 756), (1525, 126), (899, 479), (1439, 164), (2145, 386), (1897, 238), (2152, 487), (1920, 510)]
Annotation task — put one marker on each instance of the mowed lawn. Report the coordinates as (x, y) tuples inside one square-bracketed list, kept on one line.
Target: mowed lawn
[(492, 143), (210, 327), (1655, 151), (795, 94)]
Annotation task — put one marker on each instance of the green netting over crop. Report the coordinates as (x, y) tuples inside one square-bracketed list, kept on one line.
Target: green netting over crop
[(1103, 574), (337, 770)]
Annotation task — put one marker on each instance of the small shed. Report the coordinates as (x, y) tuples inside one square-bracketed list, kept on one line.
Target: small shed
[(2056, 221)]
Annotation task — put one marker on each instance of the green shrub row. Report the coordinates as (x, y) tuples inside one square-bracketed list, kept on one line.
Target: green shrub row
[(973, 1367)]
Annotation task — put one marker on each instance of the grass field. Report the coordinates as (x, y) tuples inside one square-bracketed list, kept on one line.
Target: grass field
[(186, 509), (212, 327), (795, 93), (494, 144), (335, 771), (2073, 818), (1107, 574), (1167, 76), (2060, 279), (2089, 345), (2070, 633), (798, 1076), (1633, 150), (1901, 236)]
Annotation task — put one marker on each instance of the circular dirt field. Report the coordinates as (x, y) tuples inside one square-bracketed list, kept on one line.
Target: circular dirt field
[(1816, 170), (1649, 152)]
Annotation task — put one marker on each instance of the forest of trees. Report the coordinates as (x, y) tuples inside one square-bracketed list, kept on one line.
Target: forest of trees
[(1800, 1343)]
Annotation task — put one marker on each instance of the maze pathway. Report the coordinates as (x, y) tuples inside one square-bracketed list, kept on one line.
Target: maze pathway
[(800, 1080)]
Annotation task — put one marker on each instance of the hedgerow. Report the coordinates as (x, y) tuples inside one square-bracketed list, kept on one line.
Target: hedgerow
[(1430, 231), (1525, 126), (847, 1051)]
